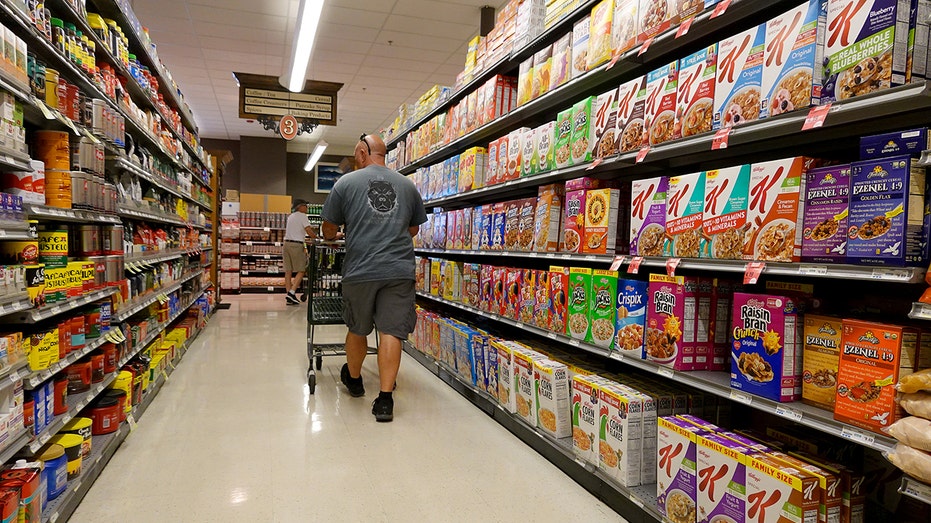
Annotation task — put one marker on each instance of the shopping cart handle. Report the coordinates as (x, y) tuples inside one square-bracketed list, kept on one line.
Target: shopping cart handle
[(320, 241)]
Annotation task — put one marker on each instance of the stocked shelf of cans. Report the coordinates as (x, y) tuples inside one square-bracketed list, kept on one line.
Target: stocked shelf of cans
[(167, 185), (156, 294), (36, 315), (35, 379), (76, 402), (133, 211)]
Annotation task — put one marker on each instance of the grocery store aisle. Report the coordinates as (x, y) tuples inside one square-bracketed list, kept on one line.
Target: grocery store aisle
[(235, 436)]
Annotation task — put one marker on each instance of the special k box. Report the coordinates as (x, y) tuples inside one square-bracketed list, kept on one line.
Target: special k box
[(585, 417), (738, 87), (722, 478), (604, 122), (766, 346), (670, 317), (776, 212), (648, 216), (779, 493), (871, 359), (725, 214), (792, 62), (685, 202), (660, 109), (631, 99), (695, 99), (676, 481), (559, 288), (827, 199)]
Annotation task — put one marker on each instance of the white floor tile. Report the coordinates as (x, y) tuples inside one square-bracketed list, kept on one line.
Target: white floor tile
[(236, 436)]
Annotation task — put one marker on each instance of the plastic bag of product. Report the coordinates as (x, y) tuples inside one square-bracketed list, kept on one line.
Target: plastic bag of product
[(911, 461), (920, 380), (916, 404), (912, 431)]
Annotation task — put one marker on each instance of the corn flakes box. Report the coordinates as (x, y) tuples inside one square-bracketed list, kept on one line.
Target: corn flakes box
[(676, 475), (583, 131), (739, 80), (631, 317), (657, 16), (559, 298), (667, 323), (602, 309), (724, 218), (660, 106), (685, 202), (820, 360), (620, 432), (562, 61), (648, 216), (631, 100), (586, 417), (541, 303), (766, 351), (792, 74), (551, 386), (827, 202), (721, 467), (778, 492), (545, 140), (573, 223), (624, 25), (506, 373), (695, 96), (562, 156), (547, 220), (524, 395), (600, 221), (776, 213), (525, 228), (579, 292), (498, 226), (580, 46)]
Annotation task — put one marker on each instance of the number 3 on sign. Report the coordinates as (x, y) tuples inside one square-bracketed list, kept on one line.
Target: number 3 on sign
[(288, 127)]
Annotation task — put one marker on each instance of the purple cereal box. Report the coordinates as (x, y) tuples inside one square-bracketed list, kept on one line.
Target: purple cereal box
[(766, 352), (721, 477), (497, 227), (486, 288), (676, 477), (648, 216), (827, 196)]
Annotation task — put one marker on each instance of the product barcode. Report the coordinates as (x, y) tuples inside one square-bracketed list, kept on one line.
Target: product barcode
[(741, 397), (813, 270)]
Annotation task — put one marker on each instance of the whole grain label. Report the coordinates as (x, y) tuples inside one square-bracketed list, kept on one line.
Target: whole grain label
[(827, 199)]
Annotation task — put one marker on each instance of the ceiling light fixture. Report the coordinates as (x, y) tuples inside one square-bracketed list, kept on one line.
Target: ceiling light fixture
[(315, 156), (308, 17)]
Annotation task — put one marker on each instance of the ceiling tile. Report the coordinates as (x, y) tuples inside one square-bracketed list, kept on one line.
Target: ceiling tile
[(418, 41), (427, 27), (203, 13), (423, 55), (357, 17), (346, 32)]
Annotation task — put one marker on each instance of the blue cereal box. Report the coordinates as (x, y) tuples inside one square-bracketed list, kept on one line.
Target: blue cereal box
[(631, 317), (488, 218), (497, 227), (912, 142), (792, 61), (766, 352), (478, 228), (739, 81), (887, 223)]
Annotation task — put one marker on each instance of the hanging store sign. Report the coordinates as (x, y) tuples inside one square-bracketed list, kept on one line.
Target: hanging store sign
[(288, 127), (262, 97)]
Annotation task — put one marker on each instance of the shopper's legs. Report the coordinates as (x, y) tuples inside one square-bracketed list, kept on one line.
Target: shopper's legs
[(389, 361), (358, 304), (298, 279), (356, 348)]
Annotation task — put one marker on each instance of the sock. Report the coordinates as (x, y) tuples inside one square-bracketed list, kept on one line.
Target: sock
[(355, 380), (385, 396)]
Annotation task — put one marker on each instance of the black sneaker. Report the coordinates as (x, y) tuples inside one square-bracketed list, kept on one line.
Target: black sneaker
[(292, 299), (303, 297), (383, 409), (356, 389)]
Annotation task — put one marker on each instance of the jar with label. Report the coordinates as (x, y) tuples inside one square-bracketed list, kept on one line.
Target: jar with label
[(58, 35)]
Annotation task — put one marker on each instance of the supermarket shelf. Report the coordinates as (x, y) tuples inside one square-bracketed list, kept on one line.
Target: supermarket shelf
[(127, 210), (261, 288), (14, 160), (76, 403), (17, 442), (717, 383), (102, 449), (913, 488), (152, 297), (260, 273), (266, 229), (635, 504), (808, 270), (48, 311), (15, 303), (69, 215), (34, 379), (127, 165), (16, 371), (920, 311), (163, 256), (15, 230), (262, 255), (252, 242)]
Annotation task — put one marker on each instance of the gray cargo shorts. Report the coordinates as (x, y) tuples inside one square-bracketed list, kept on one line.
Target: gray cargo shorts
[(388, 305)]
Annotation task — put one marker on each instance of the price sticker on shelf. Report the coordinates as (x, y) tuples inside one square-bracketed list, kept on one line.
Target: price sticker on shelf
[(617, 355), (684, 27), (249, 244), (916, 489), (614, 59), (590, 257), (551, 335), (268, 256), (55, 310), (634, 266), (720, 9), (665, 372), (574, 342), (642, 154), (618, 261), (741, 397), (786, 412), (857, 436), (132, 423), (266, 229), (891, 274), (70, 124), (646, 45), (14, 377), (2, 310), (720, 139), (752, 272), (594, 164), (636, 501), (45, 110), (90, 136), (812, 270), (566, 256), (816, 116), (671, 265)]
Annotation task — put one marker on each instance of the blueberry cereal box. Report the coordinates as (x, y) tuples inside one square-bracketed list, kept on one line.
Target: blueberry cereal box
[(660, 107), (827, 198), (648, 216), (631, 317), (776, 210), (766, 356), (631, 100), (676, 475), (739, 81), (791, 64), (685, 202), (724, 218), (695, 99)]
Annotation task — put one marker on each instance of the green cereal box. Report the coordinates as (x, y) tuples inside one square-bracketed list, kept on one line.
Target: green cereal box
[(583, 132), (602, 308), (580, 287), (562, 156)]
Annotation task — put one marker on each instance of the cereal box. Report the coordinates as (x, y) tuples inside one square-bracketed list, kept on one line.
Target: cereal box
[(620, 434), (579, 292), (542, 67), (453, 230), (791, 64), (648, 456), (491, 368), (559, 287), (676, 480), (739, 83), (547, 220), (499, 280), (695, 97), (511, 225), (528, 295), (585, 417), (573, 223), (830, 495), (704, 323), (725, 216), (887, 222), (624, 26), (631, 317), (562, 156), (776, 212), (488, 218), (545, 140), (551, 385), (503, 163), (486, 287), (527, 213), (512, 292), (827, 198), (820, 360), (580, 44), (721, 466), (515, 155), (871, 359), (668, 323), (631, 98), (602, 308), (562, 61), (435, 277), (850, 487), (656, 16), (648, 216), (524, 395), (766, 353), (600, 222), (528, 146), (525, 81), (583, 131), (491, 168), (660, 108), (866, 48), (541, 303), (685, 202), (477, 229), (779, 493), (599, 44), (912, 142), (505, 375), (604, 122), (470, 284)]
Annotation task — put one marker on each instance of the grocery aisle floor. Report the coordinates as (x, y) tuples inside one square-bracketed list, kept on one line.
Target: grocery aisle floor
[(235, 436)]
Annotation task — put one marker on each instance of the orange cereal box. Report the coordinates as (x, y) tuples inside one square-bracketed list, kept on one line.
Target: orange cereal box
[(600, 222), (776, 210)]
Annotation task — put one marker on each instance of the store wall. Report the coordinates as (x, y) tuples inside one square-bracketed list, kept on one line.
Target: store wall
[(231, 174), (263, 166)]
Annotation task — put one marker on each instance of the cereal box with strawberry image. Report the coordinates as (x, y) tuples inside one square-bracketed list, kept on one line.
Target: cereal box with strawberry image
[(724, 220), (739, 81), (722, 475), (695, 98), (685, 202), (648, 216), (776, 214), (676, 477), (792, 71)]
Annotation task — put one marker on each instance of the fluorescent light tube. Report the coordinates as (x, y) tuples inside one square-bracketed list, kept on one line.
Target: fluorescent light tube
[(308, 17), (315, 156)]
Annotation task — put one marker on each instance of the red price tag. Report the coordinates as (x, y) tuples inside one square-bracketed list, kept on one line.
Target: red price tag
[(617, 56), (618, 261), (720, 139), (816, 116), (594, 164), (684, 27), (646, 45), (642, 154), (671, 265), (634, 266), (720, 8), (752, 272)]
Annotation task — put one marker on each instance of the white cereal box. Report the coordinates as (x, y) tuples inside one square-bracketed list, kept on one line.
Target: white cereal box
[(505, 354), (580, 41), (551, 387), (648, 456), (624, 26), (695, 98), (725, 215), (525, 398), (776, 210), (585, 417), (545, 141), (685, 202), (620, 435), (657, 16), (791, 64), (631, 99), (739, 82)]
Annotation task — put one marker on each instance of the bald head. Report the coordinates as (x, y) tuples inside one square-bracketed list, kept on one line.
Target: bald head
[(370, 150)]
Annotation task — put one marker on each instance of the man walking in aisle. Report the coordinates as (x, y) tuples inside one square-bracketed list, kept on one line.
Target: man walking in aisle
[(295, 254), (381, 211)]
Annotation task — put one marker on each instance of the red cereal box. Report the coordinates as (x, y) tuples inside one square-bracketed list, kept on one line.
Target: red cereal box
[(559, 285), (671, 320), (512, 295), (499, 280), (541, 304), (528, 295), (486, 288)]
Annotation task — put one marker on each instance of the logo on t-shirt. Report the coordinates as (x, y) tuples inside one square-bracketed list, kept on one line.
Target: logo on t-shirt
[(382, 196)]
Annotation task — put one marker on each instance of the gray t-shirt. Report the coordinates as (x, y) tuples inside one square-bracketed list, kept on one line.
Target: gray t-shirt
[(377, 206)]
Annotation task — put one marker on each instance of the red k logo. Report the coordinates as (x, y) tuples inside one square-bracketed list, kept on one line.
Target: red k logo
[(759, 193), (728, 64), (641, 200), (674, 202), (686, 86), (709, 478), (711, 198), (651, 99), (758, 506), (840, 26), (624, 106), (666, 455), (776, 48)]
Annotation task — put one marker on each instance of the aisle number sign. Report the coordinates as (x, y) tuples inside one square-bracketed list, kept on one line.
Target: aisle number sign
[(288, 127)]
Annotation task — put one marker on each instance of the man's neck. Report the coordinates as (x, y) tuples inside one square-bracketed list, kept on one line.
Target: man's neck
[(373, 161)]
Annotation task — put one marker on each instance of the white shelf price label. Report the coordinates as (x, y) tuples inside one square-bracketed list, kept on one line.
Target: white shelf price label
[(741, 397), (519, 325), (636, 501), (790, 413), (890, 274), (266, 229), (665, 372), (55, 310), (574, 342), (617, 356), (720, 9), (132, 422), (813, 270), (916, 489), (551, 335), (45, 110), (857, 436), (720, 139), (684, 27), (816, 116)]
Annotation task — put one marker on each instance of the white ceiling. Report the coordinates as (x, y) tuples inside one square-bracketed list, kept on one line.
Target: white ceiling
[(385, 52)]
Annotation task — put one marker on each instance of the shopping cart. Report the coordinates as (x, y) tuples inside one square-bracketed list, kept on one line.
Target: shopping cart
[(324, 302)]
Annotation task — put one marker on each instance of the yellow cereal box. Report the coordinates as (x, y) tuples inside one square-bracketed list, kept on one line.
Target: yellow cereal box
[(820, 359)]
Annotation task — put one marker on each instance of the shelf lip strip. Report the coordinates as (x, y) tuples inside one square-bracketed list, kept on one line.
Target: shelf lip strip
[(33, 315), (120, 316), (60, 421), (74, 215), (37, 378), (127, 165)]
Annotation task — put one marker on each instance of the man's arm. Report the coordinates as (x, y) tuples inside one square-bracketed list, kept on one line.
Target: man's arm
[(311, 232), (413, 230), (330, 231)]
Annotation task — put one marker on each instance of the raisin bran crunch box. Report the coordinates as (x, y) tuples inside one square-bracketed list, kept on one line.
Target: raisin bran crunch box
[(766, 349)]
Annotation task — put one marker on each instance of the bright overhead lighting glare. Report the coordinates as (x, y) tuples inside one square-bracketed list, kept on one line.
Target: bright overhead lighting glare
[(308, 17), (315, 156)]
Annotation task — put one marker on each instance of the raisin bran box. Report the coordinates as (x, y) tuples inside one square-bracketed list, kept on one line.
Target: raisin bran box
[(739, 81), (632, 305), (776, 211), (685, 202), (585, 417), (827, 199), (631, 100), (648, 216), (676, 477), (766, 350), (579, 290), (775, 488), (602, 309), (721, 466), (820, 360), (559, 298), (668, 323), (695, 98), (725, 215), (792, 62), (660, 106), (573, 223), (887, 223)]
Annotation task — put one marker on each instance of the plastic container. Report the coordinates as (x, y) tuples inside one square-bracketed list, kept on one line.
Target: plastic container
[(124, 382), (9, 503), (123, 399), (61, 395), (97, 367), (28, 481), (106, 416), (79, 377), (55, 473), (72, 444)]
